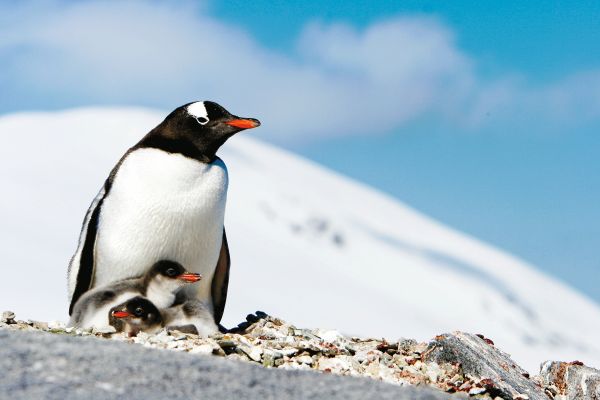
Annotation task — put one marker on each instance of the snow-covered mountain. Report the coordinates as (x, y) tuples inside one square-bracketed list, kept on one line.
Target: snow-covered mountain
[(308, 245)]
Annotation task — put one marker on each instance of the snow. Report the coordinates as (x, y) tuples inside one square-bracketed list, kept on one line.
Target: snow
[(307, 245)]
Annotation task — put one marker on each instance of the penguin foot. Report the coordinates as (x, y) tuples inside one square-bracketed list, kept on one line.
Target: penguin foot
[(250, 319)]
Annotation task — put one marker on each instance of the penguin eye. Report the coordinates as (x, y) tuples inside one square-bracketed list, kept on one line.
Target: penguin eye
[(202, 120), (139, 311), (171, 272)]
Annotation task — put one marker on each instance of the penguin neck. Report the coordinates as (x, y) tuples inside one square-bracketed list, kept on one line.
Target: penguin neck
[(165, 138), (159, 294)]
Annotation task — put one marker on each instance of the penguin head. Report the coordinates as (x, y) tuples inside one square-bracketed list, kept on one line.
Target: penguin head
[(206, 124), (168, 276), (137, 313)]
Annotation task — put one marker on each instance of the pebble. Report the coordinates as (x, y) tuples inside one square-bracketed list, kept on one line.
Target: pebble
[(433, 371), (8, 317), (104, 330), (337, 365), (56, 325), (202, 349), (254, 352), (477, 390), (305, 360), (330, 336)]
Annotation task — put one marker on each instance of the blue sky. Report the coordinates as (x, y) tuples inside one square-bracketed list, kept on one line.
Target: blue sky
[(484, 115)]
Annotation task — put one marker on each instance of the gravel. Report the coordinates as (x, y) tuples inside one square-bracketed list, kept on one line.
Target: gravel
[(265, 357), (37, 365)]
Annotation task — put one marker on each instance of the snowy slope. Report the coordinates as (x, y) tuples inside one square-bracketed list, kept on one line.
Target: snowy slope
[(308, 245)]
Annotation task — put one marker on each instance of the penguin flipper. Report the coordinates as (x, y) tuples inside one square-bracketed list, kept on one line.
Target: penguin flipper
[(81, 267), (220, 280)]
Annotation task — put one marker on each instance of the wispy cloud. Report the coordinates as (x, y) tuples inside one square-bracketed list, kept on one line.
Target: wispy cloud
[(338, 81)]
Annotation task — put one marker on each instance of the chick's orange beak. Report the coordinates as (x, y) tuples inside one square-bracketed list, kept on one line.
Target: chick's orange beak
[(190, 277), (247, 123), (121, 314)]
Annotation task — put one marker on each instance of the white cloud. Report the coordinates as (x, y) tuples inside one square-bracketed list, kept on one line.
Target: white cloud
[(339, 81)]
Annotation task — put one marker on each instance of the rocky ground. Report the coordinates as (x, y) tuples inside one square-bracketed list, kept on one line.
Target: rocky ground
[(452, 364)]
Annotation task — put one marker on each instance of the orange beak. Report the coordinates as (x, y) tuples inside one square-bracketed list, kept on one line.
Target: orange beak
[(190, 277), (121, 314), (248, 123)]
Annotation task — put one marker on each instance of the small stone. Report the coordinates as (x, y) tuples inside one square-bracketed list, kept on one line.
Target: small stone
[(38, 324), (361, 356), (8, 317), (305, 360), (227, 344), (372, 370), (202, 349), (336, 365), (406, 346), (253, 352), (141, 337), (288, 351), (269, 357), (236, 356), (174, 345), (433, 372), (217, 351), (520, 396), (399, 361), (163, 337), (295, 366), (103, 330), (476, 390), (330, 336), (178, 335), (56, 325)]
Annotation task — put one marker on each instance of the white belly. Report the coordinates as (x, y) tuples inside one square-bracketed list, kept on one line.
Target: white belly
[(162, 206)]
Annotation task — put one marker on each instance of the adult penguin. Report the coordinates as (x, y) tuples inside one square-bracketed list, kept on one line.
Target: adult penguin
[(165, 199)]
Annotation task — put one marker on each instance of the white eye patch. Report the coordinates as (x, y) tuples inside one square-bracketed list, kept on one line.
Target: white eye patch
[(198, 111)]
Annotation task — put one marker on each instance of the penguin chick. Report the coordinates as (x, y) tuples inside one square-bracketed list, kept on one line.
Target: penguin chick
[(135, 315), (192, 316), (160, 285), (163, 281)]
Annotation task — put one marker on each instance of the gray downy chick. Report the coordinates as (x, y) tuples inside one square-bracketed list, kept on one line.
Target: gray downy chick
[(159, 285), (136, 315)]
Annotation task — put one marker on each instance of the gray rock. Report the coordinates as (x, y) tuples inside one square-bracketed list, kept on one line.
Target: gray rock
[(37, 365), (8, 317), (498, 374), (104, 330), (573, 380)]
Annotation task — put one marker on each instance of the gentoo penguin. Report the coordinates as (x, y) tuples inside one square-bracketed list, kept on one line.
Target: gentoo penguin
[(191, 317), (165, 199), (159, 284), (135, 315)]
